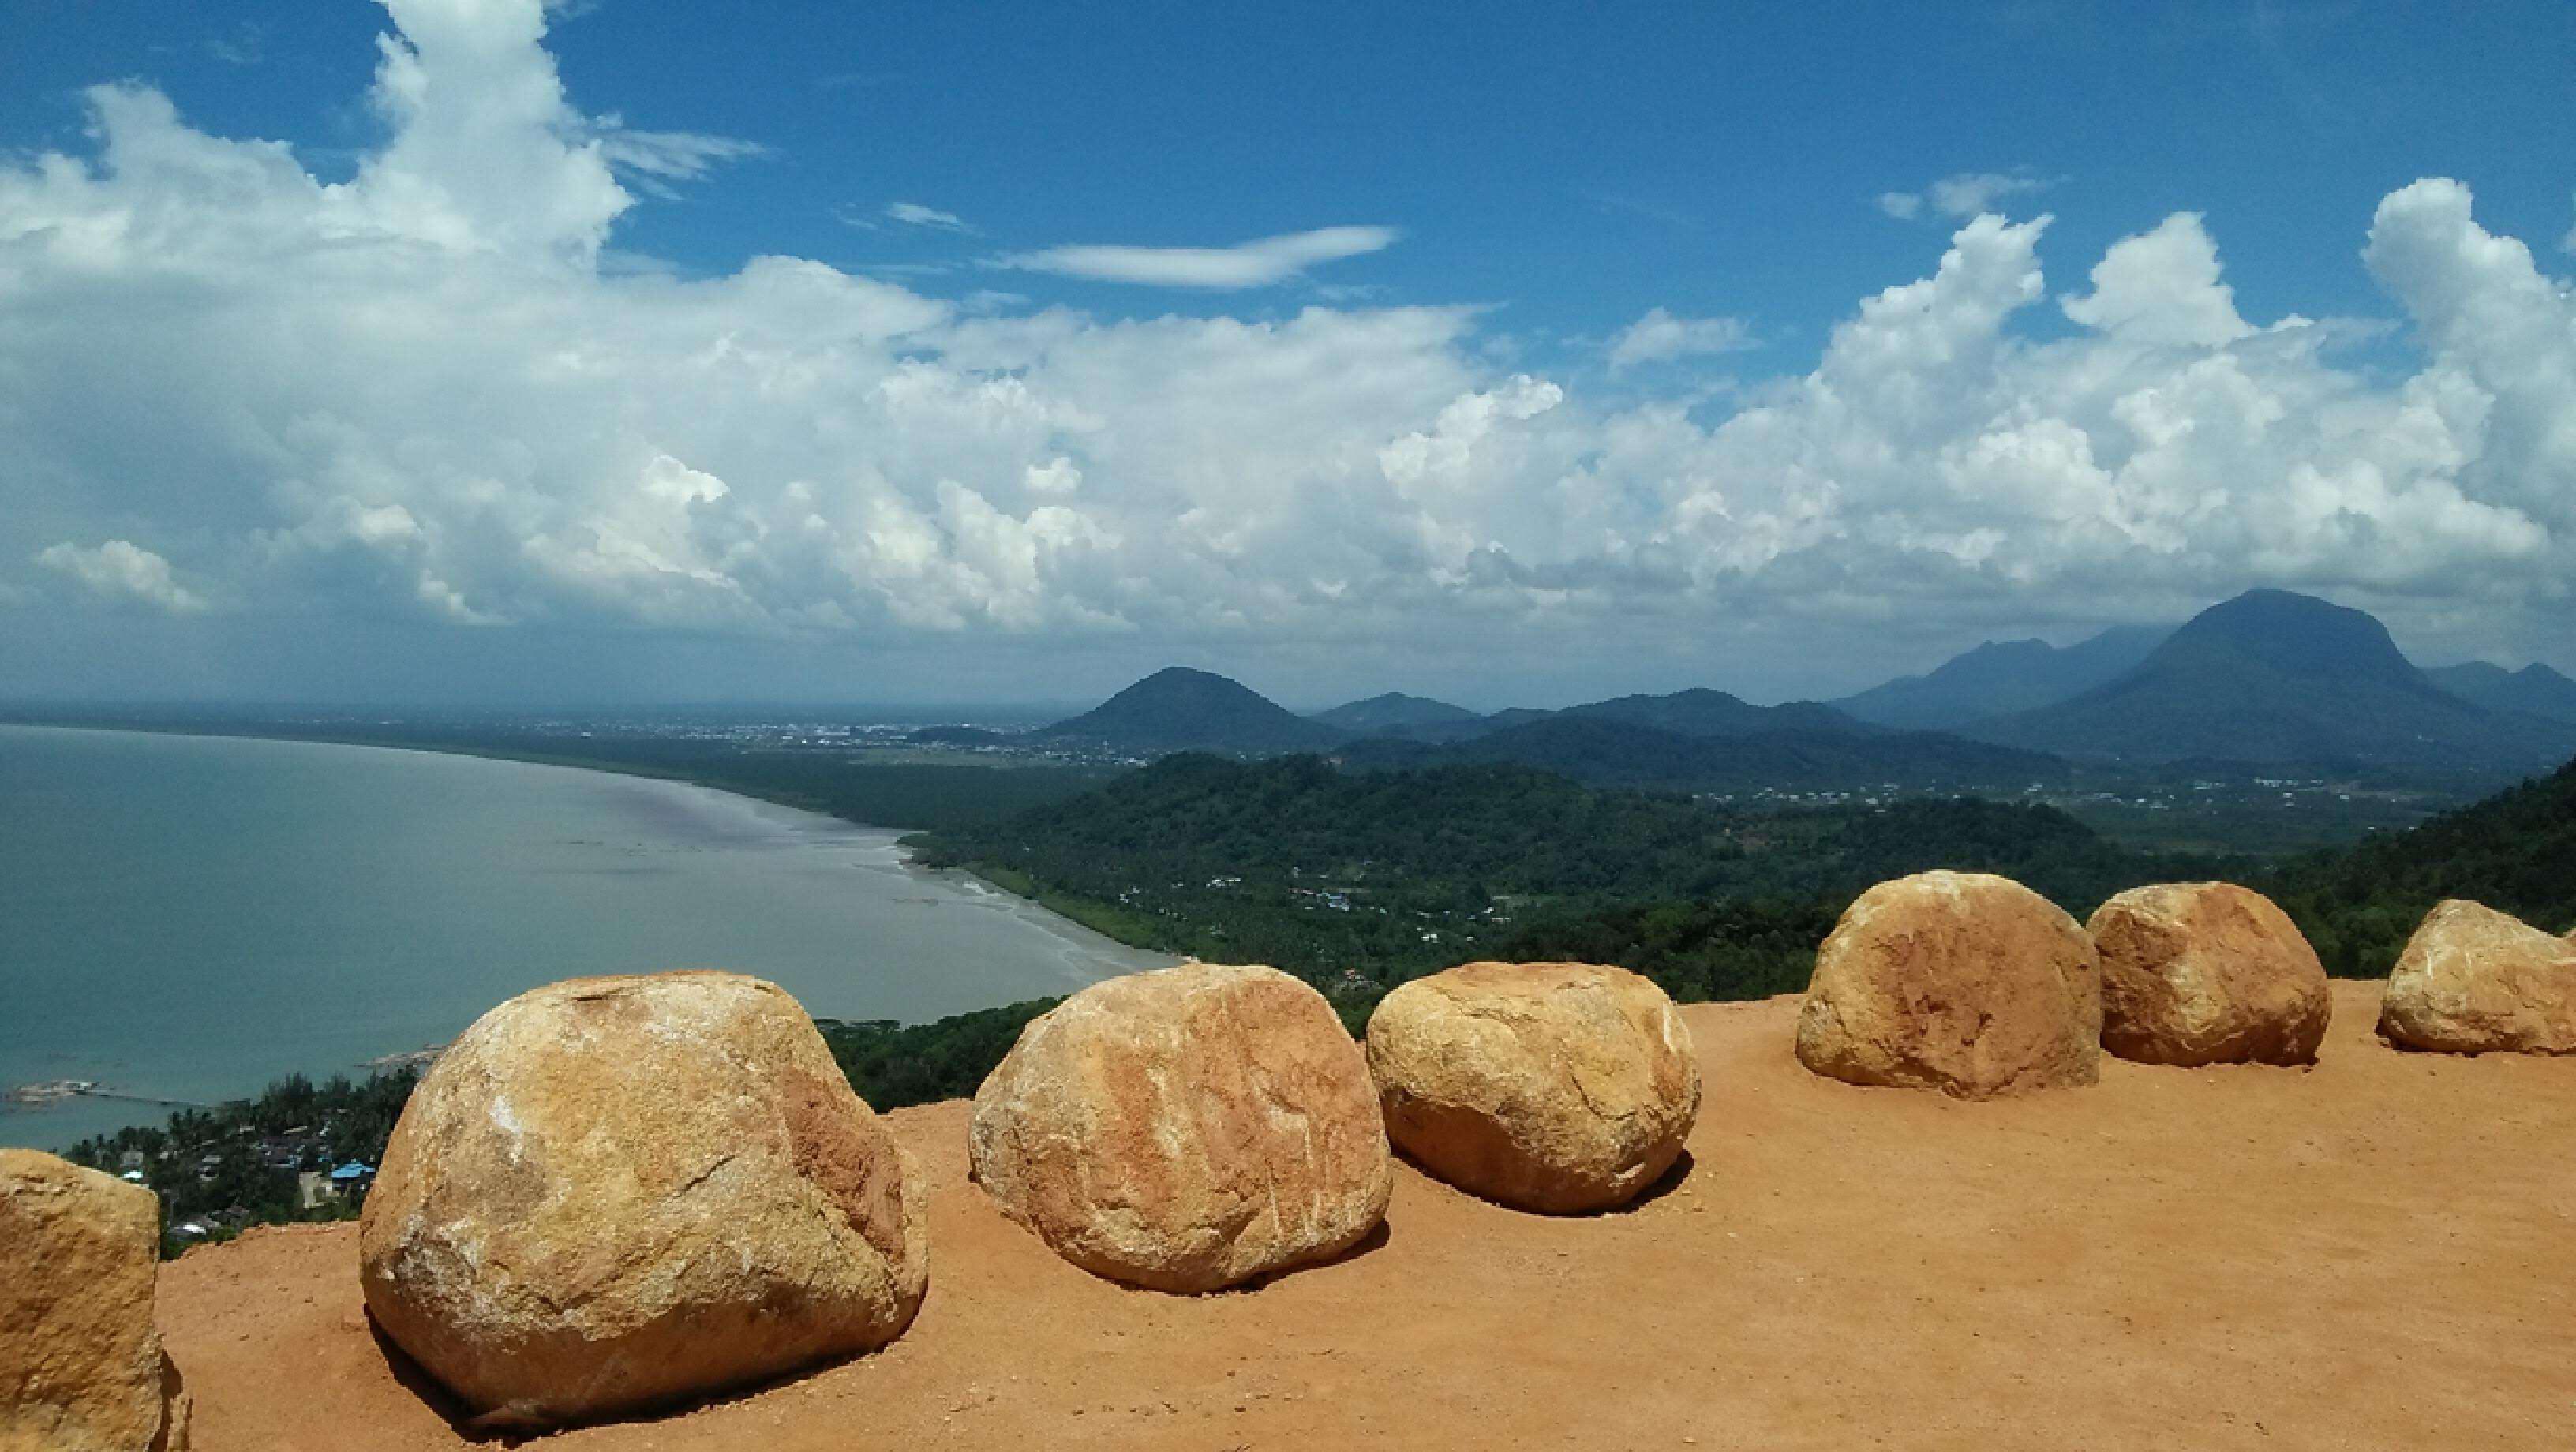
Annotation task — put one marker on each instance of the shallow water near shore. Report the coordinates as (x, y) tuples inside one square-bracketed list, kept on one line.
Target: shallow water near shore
[(189, 918)]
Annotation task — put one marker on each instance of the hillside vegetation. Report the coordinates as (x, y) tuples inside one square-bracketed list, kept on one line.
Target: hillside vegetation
[(2515, 852), (1359, 880)]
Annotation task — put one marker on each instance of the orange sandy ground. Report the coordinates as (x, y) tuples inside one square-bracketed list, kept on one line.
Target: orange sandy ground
[(2377, 1253)]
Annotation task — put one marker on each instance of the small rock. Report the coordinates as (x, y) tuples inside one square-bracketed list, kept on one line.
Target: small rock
[(614, 1193), (1958, 981), (81, 1364), (2473, 980), (2207, 973), (1186, 1129), (1558, 1087)]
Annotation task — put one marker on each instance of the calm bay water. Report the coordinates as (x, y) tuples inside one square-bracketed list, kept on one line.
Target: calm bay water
[(191, 917)]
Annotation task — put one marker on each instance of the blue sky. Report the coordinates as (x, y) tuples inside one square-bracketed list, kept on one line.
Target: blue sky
[(1575, 165), (1654, 212)]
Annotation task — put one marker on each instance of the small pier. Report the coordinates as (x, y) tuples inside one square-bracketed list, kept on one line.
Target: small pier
[(55, 1091)]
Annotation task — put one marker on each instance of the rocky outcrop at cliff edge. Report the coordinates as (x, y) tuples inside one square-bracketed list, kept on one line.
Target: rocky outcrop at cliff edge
[(81, 1365), (2473, 980), (1958, 981), (2207, 973), (1186, 1129), (615, 1193), (1557, 1087)]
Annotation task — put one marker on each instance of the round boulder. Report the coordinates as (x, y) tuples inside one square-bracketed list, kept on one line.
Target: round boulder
[(1958, 981), (1186, 1129), (1557, 1087), (81, 1365), (2207, 973), (616, 1193), (2473, 980)]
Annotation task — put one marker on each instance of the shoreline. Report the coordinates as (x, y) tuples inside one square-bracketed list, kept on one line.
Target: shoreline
[(692, 810), (907, 857)]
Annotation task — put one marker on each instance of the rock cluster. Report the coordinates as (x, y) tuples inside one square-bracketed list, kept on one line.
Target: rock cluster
[(612, 1193), (1558, 1087), (1186, 1129), (81, 1365), (2473, 980), (615, 1193), (1958, 981), (2207, 973)]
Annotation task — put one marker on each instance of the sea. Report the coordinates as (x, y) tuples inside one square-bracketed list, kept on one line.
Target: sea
[(189, 918)]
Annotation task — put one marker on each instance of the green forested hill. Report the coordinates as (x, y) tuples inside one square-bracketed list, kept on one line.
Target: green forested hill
[(1180, 709), (1358, 880), (1606, 750), (2515, 852)]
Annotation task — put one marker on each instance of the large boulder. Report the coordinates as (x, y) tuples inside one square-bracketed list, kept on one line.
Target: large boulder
[(1186, 1129), (81, 1365), (1558, 1087), (2473, 980), (2207, 973), (1958, 981), (614, 1193)]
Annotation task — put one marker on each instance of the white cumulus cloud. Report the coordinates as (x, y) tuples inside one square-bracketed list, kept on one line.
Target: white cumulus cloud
[(417, 399), (122, 570), (2162, 287)]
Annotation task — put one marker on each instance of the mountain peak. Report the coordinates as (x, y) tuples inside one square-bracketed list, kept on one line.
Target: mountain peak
[(1393, 710), (2296, 634), (1701, 711), (2273, 676), (1179, 708), (2536, 689), (1998, 677)]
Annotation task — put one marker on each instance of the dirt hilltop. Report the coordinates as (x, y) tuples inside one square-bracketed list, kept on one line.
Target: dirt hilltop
[(2378, 1252)]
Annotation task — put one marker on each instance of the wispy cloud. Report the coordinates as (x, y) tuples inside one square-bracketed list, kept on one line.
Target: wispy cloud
[(1962, 195), (1660, 337), (245, 44), (655, 160), (914, 214), (1257, 263)]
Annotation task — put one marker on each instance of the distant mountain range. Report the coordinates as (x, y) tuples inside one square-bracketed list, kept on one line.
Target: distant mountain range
[(2001, 677), (1608, 751), (2535, 688), (2267, 679), (2272, 677), (1697, 739)]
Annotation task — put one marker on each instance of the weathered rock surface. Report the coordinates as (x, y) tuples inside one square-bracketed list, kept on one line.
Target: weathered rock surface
[(1559, 1087), (612, 1193), (1186, 1129), (81, 1366), (2473, 980), (2207, 973), (1958, 981)]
